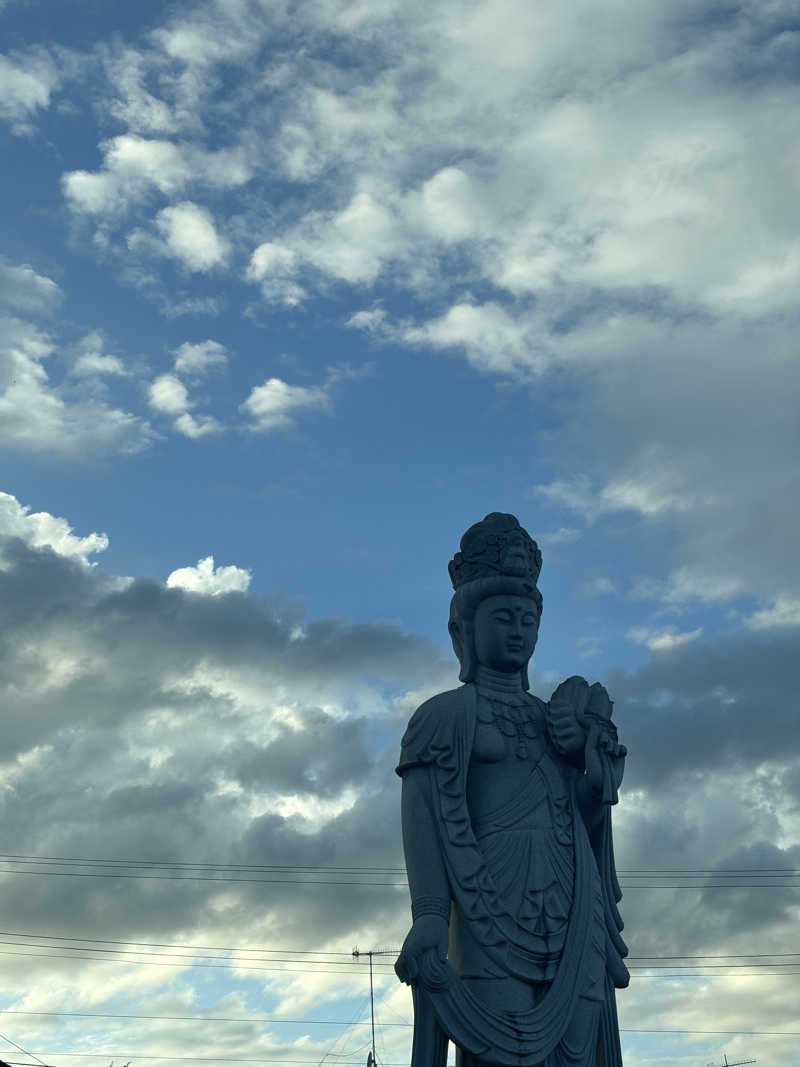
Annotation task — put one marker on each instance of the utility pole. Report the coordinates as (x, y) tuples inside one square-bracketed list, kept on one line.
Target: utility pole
[(357, 953)]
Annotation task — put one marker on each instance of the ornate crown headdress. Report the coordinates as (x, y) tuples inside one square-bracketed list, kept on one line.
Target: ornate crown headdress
[(497, 546)]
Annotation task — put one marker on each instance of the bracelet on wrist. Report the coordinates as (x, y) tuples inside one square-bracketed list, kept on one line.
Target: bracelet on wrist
[(430, 906)]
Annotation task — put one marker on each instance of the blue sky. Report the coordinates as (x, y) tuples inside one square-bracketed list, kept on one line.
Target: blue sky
[(292, 294)]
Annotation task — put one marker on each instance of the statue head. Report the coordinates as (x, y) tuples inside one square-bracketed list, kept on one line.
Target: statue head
[(498, 558)]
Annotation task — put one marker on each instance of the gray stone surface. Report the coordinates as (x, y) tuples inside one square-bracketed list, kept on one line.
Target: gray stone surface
[(515, 949)]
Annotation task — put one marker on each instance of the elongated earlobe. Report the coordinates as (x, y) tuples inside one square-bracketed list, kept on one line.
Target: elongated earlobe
[(461, 634)]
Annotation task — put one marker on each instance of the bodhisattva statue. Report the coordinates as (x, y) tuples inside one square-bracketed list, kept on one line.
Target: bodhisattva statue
[(515, 950)]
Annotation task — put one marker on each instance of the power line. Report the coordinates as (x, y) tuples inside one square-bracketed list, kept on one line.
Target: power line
[(228, 879), (162, 944), (85, 943), (32, 1055), (349, 973), (181, 868), (24, 857), (198, 1018), (205, 878), (152, 963), (201, 1059), (345, 1022), (335, 967), (61, 860), (239, 957), (166, 959)]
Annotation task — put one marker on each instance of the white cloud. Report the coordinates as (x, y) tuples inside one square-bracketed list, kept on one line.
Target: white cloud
[(370, 319), (197, 358), (27, 81), (656, 487), (647, 498), (224, 31), (191, 236), (784, 612), (135, 166), (40, 529), (275, 267), (196, 426), (39, 416), (133, 104), (92, 360), (664, 640), (209, 580), (492, 338), (698, 582), (564, 535), (354, 244), (448, 206), (132, 165), (271, 406), (22, 289), (168, 395)]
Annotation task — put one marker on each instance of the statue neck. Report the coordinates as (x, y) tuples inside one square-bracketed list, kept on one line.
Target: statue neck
[(498, 681)]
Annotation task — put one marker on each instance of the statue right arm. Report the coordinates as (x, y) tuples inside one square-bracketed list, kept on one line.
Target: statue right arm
[(427, 877), (426, 873)]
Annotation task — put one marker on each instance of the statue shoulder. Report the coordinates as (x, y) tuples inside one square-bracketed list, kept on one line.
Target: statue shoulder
[(435, 724), (445, 703)]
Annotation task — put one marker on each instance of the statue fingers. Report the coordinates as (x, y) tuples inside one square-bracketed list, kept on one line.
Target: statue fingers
[(405, 968)]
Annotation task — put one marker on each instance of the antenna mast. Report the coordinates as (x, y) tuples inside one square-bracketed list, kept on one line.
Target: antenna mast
[(357, 953)]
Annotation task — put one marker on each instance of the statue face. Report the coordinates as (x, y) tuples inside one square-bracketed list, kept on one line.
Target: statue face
[(506, 628)]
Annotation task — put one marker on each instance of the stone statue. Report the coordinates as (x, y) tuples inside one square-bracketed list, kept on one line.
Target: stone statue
[(515, 950)]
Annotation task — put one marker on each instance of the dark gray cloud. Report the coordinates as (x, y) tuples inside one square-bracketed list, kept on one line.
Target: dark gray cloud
[(143, 722), (317, 755), (728, 704)]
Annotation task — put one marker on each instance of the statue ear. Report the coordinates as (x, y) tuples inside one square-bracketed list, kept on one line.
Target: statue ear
[(461, 636)]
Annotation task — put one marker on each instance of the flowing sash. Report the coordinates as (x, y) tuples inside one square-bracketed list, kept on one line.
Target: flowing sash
[(518, 1039)]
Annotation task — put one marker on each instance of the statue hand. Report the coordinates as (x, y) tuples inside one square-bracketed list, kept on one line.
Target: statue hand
[(428, 932), (567, 733)]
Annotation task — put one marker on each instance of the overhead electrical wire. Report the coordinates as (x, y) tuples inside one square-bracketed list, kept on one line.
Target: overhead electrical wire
[(86, 941), (32, 1055), (25, 857), (344, 1022), (696, 883), (47, 946), (308, 874), (349, 973)]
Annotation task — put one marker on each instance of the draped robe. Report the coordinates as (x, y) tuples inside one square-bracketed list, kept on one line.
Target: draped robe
[(562, 936)]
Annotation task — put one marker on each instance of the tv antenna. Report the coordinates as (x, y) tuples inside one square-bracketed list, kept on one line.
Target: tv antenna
[(727, 1063), (357, 954)]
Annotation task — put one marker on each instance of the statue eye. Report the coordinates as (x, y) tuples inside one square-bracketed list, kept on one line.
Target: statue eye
[(529, 620)]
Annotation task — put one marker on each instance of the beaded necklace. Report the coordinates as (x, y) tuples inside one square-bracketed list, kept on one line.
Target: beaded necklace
[(510, 707)]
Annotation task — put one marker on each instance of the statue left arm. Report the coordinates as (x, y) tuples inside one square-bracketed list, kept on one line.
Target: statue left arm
[(579, 720)]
